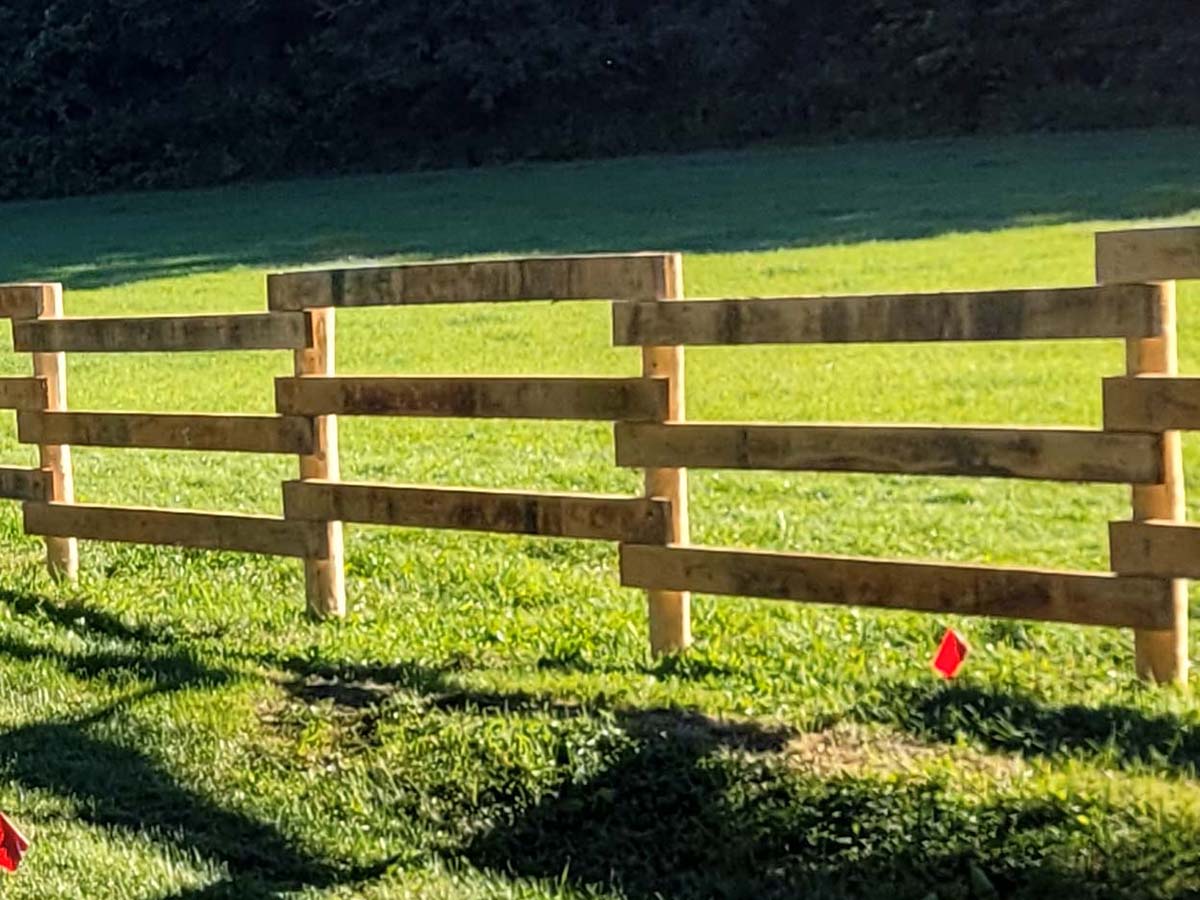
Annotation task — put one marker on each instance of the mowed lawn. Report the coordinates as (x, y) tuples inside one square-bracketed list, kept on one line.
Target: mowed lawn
[(487, 721)]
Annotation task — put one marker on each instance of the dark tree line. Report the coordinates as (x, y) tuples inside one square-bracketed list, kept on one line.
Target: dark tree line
[(101, 94)]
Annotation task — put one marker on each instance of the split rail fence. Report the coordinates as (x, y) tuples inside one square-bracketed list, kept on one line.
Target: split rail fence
[(1144, 411)]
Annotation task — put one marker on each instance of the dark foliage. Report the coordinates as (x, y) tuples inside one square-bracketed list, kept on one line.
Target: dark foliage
[(100, 94)]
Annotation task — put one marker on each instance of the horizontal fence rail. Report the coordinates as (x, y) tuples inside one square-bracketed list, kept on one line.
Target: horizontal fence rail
[(588, 516), (24, 393), (602, 277), (1165, 548), (17, 483), (170, 431), (1148, 254), (158, 334), (178, 528), (1036, 453), (28, 301), (1127, 310), (1152, 403), (603, 399), (1080, 598)]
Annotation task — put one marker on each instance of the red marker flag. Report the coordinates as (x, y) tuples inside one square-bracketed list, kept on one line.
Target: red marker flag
[(951, 654), (13, 844)]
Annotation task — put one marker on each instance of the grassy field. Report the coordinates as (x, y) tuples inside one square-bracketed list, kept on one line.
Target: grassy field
[(486, 722)]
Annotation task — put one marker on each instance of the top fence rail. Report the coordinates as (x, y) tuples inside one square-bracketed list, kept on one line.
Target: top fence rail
[(1112, 311), (1148, 254), (633, 276)]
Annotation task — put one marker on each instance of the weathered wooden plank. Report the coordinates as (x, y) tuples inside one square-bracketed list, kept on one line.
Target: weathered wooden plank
[(1079, 597), (1162, 547), (168, 431), (1148, 254), (26, 301), (588, 516), (24, 393), (1038, 453), (235, 331), (1126, 310), (1152, 403), (601, 277), (515, 397), (176, 528), (24, 484)]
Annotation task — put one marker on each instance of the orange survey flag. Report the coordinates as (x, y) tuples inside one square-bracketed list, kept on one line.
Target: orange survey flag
[(13, 844)]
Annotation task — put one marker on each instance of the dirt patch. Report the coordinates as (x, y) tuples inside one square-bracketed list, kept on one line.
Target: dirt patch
[(325, 720), (849, 748), (701, 732)]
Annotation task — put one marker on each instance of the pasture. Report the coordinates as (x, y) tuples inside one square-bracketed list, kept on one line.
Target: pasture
[(486, 722)]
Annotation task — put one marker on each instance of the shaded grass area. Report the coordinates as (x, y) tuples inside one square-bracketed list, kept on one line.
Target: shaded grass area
[(486, 722), (707, 202)]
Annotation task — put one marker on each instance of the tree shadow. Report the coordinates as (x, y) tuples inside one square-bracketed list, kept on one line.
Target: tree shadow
[(690, 806), (117, 787), (699, 203), (1014, 722), (702, 808), (676, 804)]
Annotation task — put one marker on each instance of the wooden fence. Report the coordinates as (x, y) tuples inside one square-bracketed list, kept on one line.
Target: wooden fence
[(1133, 300)]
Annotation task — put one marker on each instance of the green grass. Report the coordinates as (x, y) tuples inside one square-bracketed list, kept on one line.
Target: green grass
[(486, 722)]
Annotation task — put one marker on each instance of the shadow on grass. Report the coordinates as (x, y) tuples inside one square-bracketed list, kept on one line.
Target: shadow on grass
[(707, 202), (1018, 723), (118, 787), (697, 808), (674, 803), (688, 806)]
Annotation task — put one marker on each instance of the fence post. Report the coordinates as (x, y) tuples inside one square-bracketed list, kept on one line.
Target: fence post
[(1162, 655), (62, 553), (324, 577), (670, 612)]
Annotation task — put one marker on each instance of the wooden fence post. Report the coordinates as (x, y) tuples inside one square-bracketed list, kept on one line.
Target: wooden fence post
[(62, 553), (1162, 655), (324, 577), (669, 611)]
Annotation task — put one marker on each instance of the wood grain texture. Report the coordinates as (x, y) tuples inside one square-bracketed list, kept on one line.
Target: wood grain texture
[(1078, 597), (151, 334), (1148, 254), (669, 612), (1162, 547), (601, 277), (168, 431), (24, 393), (1152, 403), (324, 574), (62, 553), (1162, 655), (24, 484), (586, 516), (26, 301), (606, 399), (177, 528), (1120, 311), (1037, 453)]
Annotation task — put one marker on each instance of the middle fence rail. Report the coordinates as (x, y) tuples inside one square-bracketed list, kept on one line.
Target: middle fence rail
[(1138, 444)]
